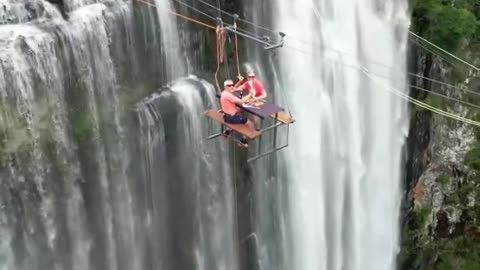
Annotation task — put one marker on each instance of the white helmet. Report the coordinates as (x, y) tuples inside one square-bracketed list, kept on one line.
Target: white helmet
[(227, 82)]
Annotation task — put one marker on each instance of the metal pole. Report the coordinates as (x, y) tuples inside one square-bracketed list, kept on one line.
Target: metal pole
[(268, 45), (266, 153), (215, 135), (275, 132), (273, 126), (260, 137)]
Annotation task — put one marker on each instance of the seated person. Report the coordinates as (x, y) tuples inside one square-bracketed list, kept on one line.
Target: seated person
[(255, 87), (228, 102)]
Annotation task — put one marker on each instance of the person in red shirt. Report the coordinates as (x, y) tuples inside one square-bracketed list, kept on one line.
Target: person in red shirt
[(255, 87), (231, 113)]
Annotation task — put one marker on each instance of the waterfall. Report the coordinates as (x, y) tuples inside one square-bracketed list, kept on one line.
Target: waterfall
[(199, 193), (174, 61), (344, 161), (334, 200), (88, 180), (63, 209)]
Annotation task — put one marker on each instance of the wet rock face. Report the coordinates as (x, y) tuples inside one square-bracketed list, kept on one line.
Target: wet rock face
[(418, 141), (19, 11), (61, 7), (442, 177)]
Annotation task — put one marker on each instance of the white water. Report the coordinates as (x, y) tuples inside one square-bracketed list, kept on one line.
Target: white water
[(215, 243), (82, 186), (344, 159), (174, 62), (194, 213)]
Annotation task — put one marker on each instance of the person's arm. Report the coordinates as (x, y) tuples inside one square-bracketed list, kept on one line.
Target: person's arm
[(253, 93), (263, 96), (239, 85), (236, 100)]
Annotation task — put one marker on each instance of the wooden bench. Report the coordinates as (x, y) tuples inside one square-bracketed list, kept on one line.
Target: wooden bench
[(240, 128), (284, 118)]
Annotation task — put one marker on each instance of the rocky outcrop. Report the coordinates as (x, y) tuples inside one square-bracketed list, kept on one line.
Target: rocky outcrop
[(442, 221)]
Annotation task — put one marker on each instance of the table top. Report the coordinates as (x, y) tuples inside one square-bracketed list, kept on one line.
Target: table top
[(263, 110)]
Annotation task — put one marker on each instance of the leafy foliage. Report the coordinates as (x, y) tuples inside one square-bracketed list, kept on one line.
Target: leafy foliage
[(83, 126), (472, 158), (445, 24), (453, 25)]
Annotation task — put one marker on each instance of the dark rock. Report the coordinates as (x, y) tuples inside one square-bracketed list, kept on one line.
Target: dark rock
[(61, 7)]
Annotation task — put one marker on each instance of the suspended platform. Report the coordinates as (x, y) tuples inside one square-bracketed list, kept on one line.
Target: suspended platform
[(271, 118), (242, 129)]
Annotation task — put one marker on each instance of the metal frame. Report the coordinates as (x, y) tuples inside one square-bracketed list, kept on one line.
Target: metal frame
[(274, 148), (265, 41), (258, 153), (276, 124), (268, 46)]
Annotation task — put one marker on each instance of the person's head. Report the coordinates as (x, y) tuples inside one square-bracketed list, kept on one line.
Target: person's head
[(251, 75), (228, 85)]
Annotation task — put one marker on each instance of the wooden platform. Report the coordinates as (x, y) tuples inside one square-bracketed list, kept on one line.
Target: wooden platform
[(240, 128), (284, 118)]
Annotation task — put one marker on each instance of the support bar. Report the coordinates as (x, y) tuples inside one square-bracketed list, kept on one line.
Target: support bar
[(267, 153), (274, 46), (215, 136), (268, 45), (272, 126)]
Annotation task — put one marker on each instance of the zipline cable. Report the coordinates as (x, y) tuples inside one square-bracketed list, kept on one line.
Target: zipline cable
[(444, 51), (304, 42), (398, 93), (180, 15)]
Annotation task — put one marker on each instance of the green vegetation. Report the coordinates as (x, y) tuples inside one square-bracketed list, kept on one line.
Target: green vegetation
[(82, 126), (430, 240), (432, 100), (446, 22), (448, 245), (443, 180), (453, 25), (423, 248), (458, 254), (472, 158), (416, 237)]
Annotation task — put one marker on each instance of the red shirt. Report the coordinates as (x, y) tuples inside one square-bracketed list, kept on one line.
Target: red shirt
[(255, 84), (228, 102)]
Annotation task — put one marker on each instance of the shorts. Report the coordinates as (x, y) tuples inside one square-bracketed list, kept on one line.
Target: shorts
[(235, 119)]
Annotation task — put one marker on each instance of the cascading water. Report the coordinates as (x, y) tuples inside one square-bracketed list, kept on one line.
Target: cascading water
[(87, 183), (344, 159), (175, 63), (59, 197), (335, 200), (199, 195)]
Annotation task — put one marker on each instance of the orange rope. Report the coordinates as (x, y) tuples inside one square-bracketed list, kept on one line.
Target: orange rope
[(236, 47), (180, 15), (217, 57), (220, 51), (221, 36)]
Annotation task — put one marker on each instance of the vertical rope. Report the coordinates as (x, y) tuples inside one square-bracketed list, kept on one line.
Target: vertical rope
[(219, 9), (220, 46), (217, 31), (236, 45), (227, 66)]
